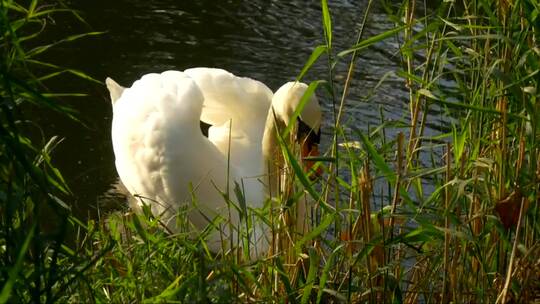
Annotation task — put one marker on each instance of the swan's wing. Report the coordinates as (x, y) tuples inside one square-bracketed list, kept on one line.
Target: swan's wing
[(143, 117), (237, 108), (160, 150), (226, 97), (157, 142)]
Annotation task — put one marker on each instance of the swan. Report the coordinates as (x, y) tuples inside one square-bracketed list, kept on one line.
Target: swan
[(163, 158)]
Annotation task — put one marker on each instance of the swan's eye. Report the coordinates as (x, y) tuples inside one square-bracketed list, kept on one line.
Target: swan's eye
[(204, 128), (306, 133)]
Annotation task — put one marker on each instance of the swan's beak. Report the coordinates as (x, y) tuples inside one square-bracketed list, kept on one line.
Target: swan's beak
[(310, 149)]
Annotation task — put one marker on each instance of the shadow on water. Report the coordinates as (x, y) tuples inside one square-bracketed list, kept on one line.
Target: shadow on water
[(266, 40)]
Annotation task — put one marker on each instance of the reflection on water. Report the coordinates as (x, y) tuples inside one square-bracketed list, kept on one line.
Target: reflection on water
[(266, 40)]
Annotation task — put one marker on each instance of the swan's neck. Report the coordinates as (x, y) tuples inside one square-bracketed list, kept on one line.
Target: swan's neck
[(273, 158)]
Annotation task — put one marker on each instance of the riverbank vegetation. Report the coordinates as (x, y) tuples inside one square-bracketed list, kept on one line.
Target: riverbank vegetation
[(403, 218)]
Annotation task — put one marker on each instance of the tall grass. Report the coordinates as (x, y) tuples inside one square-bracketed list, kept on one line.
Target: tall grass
[(35, 264), (472, 239)]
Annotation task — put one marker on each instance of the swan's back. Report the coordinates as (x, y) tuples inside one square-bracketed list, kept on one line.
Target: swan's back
[(160, 150)]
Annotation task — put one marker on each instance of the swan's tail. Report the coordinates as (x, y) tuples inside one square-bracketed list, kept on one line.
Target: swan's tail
[(115, 89)]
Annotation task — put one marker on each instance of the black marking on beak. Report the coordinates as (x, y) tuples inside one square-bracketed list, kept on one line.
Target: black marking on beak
[(306, 133), (204, 128)]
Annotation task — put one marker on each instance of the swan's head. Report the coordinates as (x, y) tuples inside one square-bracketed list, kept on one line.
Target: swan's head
[(285, 102)]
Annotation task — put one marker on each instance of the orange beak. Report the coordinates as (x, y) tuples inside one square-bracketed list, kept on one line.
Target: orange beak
[(310, 150)]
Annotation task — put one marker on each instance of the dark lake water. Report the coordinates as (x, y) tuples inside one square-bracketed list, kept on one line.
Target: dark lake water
[(266, 40)]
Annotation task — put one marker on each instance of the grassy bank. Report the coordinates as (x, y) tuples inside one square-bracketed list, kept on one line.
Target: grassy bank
[(432, 218)]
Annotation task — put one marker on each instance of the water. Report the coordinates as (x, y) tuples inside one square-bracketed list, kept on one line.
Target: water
[(266, 40)]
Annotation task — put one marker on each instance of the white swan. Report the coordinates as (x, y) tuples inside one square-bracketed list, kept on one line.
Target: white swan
[(163, 157)]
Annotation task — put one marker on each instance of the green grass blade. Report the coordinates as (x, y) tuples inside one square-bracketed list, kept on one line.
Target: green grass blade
[(40, 49), (312, 275), (315, 232), (12, 274), (326, 272), (32, 8), (372, 40), (317, 52), (169, 293), (285, 280), (378, 160), (460, 138), (299, 173), (327, 23), (301, 104)]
